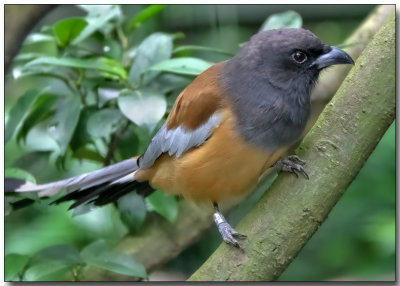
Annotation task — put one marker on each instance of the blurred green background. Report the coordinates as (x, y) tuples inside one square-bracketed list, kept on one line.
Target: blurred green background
[(356, 242)]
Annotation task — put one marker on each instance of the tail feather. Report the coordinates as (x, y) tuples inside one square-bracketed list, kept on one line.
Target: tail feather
[(98, 187), (84, 181), (106, 193)]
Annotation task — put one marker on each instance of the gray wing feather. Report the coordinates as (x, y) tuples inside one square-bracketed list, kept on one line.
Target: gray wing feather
[(178, 140), (84, 181)]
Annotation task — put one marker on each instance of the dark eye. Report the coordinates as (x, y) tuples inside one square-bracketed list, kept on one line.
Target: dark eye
[(299, 57)]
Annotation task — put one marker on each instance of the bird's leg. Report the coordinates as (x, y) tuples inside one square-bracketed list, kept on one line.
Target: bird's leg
[(292, 164), (227, 232)]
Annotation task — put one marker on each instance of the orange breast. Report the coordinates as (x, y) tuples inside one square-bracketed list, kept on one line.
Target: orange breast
[(222, 167)]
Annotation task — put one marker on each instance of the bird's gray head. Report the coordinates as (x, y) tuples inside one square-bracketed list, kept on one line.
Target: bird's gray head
[(288, 58), (269, 82)]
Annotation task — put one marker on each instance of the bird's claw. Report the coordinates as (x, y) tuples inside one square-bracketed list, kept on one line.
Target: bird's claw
[(229, 235), (296, 159), (292, 164)]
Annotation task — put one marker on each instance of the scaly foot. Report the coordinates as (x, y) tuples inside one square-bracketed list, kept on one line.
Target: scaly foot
[(292, 164), (227, 232)]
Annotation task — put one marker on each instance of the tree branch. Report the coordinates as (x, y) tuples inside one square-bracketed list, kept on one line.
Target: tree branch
[(19, 20), (336, 148)]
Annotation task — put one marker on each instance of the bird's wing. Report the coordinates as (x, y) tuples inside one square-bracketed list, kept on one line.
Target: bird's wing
[(192, 119)]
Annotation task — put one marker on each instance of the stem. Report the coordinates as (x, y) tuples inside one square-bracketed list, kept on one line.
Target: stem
[(123, 39), (115, 138), (81, 74), (66, 81)]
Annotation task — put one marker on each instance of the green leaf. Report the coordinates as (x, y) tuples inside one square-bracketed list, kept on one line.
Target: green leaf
[(145, 107), (113, 49), (288, 19), (40, 44), (46, 271), (145, 15), (106, 94), (190, 66), (98, 255), (14, 265), (64, 121), (200, 48), (51, 264), (19, 174), (168, 82), (41, 110), (37, 37), (28, 56), (42, 70), (81, 136), (60, 253), (19, 112), (130, 143), (98, 16), (155, 48), (103, 122), (87, 154), (104, 222), (68, 29), (100, 64), (165, 205), (133, 210)]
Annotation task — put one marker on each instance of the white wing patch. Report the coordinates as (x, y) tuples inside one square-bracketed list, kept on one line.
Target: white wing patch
[(178, 140)]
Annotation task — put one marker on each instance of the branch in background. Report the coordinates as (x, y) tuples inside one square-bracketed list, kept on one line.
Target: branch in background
[(19, 20), (191, 221), (336, 148)]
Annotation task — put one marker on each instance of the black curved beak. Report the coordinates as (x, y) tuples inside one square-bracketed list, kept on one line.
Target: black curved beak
[(334, 57)]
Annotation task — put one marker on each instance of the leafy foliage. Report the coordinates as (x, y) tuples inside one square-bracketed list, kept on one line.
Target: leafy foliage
[(133, 210), (14, 266), (155, 48), (98, 254), (145, 15), (19, 113), (145, 107), (190, 66), (163, 204), (67, 30), (288, 19)]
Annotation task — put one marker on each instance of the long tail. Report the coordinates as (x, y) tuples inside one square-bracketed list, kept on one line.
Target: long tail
[(98, 187)]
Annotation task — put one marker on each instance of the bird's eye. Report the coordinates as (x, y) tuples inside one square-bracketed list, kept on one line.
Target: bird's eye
[(299, 57)]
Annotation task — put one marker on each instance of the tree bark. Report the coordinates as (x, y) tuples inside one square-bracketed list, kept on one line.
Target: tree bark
[(336, 148), (19, 21)]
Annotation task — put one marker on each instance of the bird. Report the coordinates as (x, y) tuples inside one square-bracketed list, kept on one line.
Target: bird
[(232, 123)]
